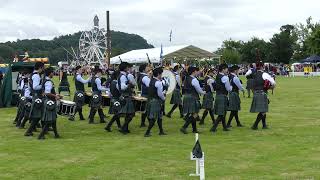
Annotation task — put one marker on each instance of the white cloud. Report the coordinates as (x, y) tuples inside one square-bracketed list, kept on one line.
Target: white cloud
[(205, 23)]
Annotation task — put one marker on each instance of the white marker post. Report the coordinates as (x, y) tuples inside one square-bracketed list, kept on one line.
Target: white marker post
[(199, 163)]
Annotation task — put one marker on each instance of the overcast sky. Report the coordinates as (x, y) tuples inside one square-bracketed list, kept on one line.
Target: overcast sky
[(204, 23)]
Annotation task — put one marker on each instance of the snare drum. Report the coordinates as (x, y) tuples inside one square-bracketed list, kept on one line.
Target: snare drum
[(140, 103), (66, 108)]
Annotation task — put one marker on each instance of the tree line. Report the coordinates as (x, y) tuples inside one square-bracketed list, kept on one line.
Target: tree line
[(293, 43), (54, 49)]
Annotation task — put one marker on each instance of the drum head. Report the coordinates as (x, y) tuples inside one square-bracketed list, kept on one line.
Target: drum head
[(170, 79)]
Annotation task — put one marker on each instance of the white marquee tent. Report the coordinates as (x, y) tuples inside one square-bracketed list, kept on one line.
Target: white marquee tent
[(172, 52)]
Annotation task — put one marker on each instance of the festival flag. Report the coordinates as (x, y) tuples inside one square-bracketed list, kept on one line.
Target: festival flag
[(170, 35), (197, 151)]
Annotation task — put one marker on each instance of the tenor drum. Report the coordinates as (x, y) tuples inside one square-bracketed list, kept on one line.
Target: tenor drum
[(140, 103), (66, 108)]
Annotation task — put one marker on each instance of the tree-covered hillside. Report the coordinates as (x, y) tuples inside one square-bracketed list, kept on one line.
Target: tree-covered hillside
[(121, 42)]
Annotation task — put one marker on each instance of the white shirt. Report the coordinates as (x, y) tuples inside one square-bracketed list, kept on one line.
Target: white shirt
[(145, 80), (159, 86), (210, 82), (226, 82), (195, 83), (80, 79), (123, 81), (99, 86), (178, 78), (248, 73), (131, 79), (48, 86), (27, 93), (237, 82), (36, 81), (266, 76)]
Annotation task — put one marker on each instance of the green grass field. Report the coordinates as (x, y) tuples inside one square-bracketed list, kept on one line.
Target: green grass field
[(290, 149)]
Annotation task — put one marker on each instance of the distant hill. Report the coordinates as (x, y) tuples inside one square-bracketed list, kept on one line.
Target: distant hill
[(121, 43)]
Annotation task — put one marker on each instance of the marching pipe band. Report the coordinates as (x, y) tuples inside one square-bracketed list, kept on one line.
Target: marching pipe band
[(39, 100)]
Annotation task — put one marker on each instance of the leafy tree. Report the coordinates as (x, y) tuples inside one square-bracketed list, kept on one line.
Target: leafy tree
[(248, 50), (54, 49), (313, 42), (6, 53), (282, 45), (231, 56)]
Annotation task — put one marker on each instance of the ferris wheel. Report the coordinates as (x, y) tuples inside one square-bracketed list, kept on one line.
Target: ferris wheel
[(92, 45)]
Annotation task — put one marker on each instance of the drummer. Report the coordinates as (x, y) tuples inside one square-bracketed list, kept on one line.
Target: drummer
[(176, 98), (50, 105), (143, 82), (156, 97), (114, 103), (125, 86), (36, 111), (96, 101), (79, 94)]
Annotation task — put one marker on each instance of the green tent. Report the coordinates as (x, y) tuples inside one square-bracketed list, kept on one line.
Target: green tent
[(7, 96), (6, 89)]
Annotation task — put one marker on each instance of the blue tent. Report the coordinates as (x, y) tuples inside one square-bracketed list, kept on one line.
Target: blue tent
[(311, 59)]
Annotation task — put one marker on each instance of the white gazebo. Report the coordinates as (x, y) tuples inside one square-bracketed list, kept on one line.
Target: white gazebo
[(184, 52)]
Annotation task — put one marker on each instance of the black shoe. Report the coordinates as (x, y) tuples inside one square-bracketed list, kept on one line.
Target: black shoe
[(71, 119), (226, 129), (108, 129), (229, 126), (123, 132), (103, 121), (254, 128), (162, 133), (41, 138), (183, 130), (128, 131), (143, 125), (57, 136), (147, 135), (201, 123), (28, 134), (181, 116)]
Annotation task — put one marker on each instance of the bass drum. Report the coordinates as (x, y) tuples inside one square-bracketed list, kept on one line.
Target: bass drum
[(169, 80)]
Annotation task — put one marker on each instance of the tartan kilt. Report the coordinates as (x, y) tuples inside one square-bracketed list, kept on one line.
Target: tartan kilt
[(207, 102), (96, 102), (153, 109), (50, 112), (115, 106), (191, 104), (250, 83), (260, 102), (27, 107), (36, 110), (21, 108), (176, 97), (234, 101), (80, 101), (63, 88), (221, 104), (128, 107)]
